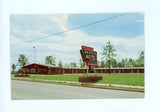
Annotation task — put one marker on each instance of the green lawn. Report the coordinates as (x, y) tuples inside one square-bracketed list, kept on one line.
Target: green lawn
[(124, 79)]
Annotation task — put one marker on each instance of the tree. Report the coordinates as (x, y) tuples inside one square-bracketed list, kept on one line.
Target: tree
[(66, 65), (130, 61), (82, 64), (13, 67), (134, 63), (141, 59), (99, 64), (141, 54), (126, 63), (102, 64), (123, 63), (73, 64), (60, 64), (113, 62), (22, 60), (107, 64), (50, 60), (108, 53), (119, 64)]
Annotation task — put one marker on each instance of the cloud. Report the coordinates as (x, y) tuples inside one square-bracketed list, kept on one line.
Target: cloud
[(70, 45), (61, 21), (73, 41), (65, 48), (15, 40), (36, 26)]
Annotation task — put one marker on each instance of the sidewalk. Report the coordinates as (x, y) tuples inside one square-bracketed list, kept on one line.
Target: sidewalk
[(115, 85)]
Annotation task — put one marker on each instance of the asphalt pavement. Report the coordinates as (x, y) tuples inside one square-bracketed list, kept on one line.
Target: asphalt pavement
[(26, 90)]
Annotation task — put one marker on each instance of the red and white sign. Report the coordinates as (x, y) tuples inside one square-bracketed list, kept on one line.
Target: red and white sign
[(89, 64), (89, 56), (85, 47)]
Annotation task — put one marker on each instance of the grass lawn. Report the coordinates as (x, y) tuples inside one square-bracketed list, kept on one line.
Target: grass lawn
[(123, 79)]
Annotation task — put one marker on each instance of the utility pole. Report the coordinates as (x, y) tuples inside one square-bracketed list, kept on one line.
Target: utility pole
[(34, 54)]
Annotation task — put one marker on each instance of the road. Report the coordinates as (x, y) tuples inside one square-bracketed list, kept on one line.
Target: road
[(25, 90)]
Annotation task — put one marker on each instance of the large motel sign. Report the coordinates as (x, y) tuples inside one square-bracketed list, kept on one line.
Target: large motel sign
[(89, 56)]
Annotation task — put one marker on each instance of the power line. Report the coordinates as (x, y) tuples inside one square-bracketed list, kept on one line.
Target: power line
[(58, 33)]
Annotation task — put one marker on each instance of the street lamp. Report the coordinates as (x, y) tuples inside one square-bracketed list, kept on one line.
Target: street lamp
[(34, 54)]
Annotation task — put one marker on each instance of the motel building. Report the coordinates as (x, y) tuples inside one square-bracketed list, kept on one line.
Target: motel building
[(53, 70)]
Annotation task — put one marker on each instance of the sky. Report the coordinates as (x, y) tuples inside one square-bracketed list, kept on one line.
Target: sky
[(62, 35)]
